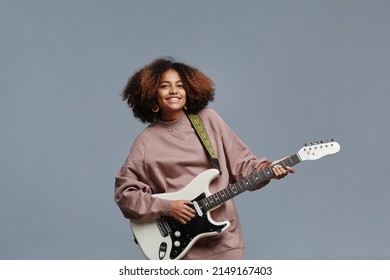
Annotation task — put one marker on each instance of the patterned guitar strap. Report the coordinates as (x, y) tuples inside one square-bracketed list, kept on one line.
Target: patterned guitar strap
[(204, 139)]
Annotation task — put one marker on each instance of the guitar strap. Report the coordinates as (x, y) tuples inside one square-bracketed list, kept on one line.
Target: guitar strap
[(204, 139)]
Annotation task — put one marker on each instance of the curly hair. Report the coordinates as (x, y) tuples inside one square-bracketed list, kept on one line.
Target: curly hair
[(141, 89)]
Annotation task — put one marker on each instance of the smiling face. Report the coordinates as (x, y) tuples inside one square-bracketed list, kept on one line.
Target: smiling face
[(171, 96)]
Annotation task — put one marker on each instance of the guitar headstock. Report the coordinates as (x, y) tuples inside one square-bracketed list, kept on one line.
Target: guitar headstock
[(318, 150)]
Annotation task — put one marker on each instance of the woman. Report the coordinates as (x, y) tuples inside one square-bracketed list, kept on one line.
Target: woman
[(167, 155)]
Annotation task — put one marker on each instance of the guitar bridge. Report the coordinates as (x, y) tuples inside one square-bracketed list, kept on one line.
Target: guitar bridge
[(163, 226)]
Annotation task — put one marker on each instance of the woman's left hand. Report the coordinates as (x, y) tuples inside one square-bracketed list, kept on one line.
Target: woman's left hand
[(280, 172)]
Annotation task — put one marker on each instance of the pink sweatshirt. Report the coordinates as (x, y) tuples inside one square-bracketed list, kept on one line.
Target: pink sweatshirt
[(165, 157)]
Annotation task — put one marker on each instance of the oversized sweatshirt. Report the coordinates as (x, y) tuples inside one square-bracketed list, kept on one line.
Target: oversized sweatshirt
[(166, 156)]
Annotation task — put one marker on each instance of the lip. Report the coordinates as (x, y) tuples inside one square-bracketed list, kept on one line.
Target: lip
[(174, 99)]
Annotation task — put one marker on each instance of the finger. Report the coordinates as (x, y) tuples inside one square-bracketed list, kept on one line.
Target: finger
[(189, 209), (180, 217), (290, 169), (277, 170), (185, 218), (285, 170), (189, 214)]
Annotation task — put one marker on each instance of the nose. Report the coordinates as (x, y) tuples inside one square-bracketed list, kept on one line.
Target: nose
[(173, 90)]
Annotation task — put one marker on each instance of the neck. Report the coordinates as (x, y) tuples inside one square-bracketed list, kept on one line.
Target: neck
[(172, 116)]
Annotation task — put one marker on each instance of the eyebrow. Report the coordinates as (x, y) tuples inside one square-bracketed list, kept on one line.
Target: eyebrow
[(179, 81)]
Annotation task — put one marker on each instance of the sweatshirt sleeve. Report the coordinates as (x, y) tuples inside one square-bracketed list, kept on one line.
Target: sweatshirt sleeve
[(240, 161), (133, 195)]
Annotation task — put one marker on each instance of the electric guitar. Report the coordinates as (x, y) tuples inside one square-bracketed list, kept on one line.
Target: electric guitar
[(167, 239)]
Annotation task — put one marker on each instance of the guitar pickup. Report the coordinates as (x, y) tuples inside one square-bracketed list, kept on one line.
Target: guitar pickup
[(197, 209)]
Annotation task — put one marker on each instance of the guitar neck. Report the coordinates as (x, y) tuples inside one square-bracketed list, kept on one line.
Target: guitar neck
[(239, 187)]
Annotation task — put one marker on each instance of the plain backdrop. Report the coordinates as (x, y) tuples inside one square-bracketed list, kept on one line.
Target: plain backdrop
[(286, 73)]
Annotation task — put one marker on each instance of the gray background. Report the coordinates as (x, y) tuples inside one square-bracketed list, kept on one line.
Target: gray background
[(286, 73)]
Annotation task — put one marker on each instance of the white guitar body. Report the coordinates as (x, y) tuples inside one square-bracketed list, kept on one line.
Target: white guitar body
[(167, 239), (156, 246)]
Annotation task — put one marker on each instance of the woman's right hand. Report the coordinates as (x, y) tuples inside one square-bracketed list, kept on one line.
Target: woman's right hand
[(182, 210)]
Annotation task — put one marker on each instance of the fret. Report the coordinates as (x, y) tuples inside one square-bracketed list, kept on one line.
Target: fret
[(242, 184), (234, 190), (267, 173), (295, 159), (252, 181), (219, 197), (247, 183), (202, 205), (238, 187), (206, 204), (223, 194), (230, 192), (261, 175), (211, 201), (256, 177)]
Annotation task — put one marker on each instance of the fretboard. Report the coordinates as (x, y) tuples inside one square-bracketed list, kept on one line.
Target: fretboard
[(235, 189)]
